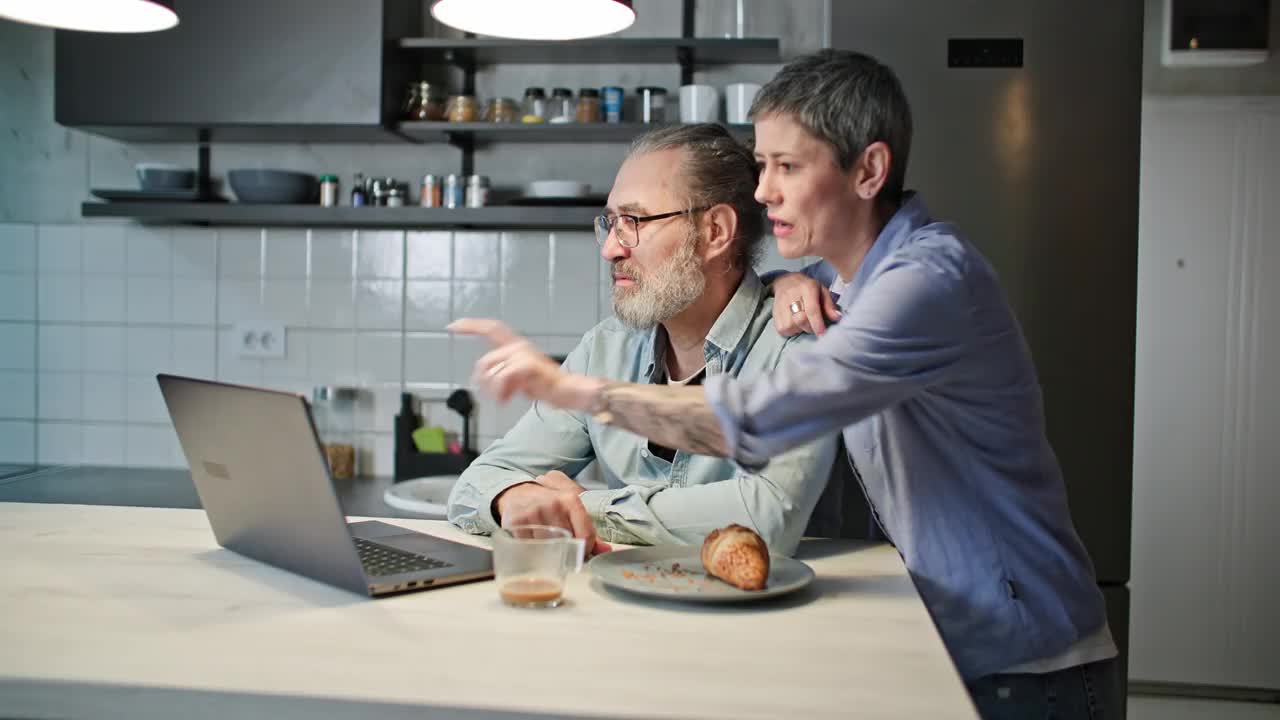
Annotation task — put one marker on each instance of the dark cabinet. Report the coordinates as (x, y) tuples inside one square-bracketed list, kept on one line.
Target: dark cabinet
[(242, 70)]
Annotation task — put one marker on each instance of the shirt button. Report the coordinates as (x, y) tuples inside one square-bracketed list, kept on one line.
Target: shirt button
[(644, 452)]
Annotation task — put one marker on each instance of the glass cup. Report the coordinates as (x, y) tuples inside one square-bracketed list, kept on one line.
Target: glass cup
[(531, 562)]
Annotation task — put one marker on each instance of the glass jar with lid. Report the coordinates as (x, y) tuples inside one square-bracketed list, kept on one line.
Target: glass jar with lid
[(501, 110), (334, 410), (588, 110), (534, 107), (560, 108), (462, 108), (424, 102)]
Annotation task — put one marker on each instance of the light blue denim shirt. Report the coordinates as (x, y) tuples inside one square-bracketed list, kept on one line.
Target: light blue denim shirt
[(649, 500), (929, 376)]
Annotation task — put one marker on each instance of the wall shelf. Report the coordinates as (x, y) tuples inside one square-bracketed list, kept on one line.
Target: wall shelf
[(482, 132), (699, 51), (496, 217)]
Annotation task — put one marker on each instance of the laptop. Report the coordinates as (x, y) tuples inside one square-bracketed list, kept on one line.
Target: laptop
[(264, 482)]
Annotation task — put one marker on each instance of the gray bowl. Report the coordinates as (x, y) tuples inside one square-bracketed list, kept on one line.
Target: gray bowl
[(273, 187), (162, 176)]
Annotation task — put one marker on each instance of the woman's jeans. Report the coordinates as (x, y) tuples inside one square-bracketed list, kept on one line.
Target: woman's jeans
[(1083, 692)]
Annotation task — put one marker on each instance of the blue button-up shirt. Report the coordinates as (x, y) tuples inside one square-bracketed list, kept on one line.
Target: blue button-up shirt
[(929, 376), (650, 500)]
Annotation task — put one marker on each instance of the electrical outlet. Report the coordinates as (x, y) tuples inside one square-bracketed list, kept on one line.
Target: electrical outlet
[(260, 340)]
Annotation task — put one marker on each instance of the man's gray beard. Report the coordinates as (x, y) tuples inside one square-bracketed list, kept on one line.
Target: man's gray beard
[(663, 292)]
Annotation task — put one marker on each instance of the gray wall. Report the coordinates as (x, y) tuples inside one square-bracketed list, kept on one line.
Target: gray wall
[(89, 311), (1261, 79)]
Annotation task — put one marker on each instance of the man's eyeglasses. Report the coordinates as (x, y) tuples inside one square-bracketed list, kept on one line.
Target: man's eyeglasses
[(628, 226)]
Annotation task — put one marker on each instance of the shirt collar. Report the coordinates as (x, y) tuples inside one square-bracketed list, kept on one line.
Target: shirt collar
[(725, 333), (912, 216)]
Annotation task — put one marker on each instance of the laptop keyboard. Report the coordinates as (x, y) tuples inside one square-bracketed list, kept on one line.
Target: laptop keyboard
[(380, 560)]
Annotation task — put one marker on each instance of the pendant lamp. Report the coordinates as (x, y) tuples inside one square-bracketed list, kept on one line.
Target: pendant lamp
[(110, 16), (536, 19)]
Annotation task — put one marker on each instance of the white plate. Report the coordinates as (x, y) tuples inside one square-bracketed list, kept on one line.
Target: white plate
[(425, 496), (651, 571), (556, 189)]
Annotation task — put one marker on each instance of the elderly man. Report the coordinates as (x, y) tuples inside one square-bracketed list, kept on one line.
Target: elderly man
[(682, 233)]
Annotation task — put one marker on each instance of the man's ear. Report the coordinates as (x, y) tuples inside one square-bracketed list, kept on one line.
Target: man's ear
[(871, 171), (720, 227)]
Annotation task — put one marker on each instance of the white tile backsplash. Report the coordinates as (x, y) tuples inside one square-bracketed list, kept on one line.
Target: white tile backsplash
[(427, 358), (60, 347), (378, 357), (195, 352), (332, 356), (17, 395), (285, 301), (148, 350), (17, 346), (104, 248), (104, 444), (429, 255), (59, 396), (379, 304), (239, 301), (239, 253), (195, 300), (150, 250), (195, 253), (233, 368), (476, 299), (59, 298), (17, 248), (17, 297), (59, 443), (150, 299), (104, 298), (102, 349), (296, 361), (380, 253), (58, 249), (426, 305), (332, 304), (104, 397), (17, 441), (285, 253), (143, 401), (333, 253), (476, 255)]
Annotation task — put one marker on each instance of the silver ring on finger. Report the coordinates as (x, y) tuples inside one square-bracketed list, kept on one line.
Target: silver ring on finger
[(496, 369), (797, 307)]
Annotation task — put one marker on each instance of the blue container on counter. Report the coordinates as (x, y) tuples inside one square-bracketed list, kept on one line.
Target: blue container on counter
[(611, 99)]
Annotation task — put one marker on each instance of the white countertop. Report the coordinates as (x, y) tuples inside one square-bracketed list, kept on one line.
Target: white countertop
[(136, 612)]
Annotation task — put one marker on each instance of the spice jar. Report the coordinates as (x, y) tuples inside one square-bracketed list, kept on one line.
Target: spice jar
[(501, 110), (333, 409), (653, 104), (477, 193), (462, 108), (560, 109), (588, 106), (424, 103), (534, 109)]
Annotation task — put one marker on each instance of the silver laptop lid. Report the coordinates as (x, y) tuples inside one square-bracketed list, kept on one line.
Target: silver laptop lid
[(262, 478)]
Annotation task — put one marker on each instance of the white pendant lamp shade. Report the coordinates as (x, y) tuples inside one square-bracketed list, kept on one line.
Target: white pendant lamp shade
[(113, 16), (536, 19)]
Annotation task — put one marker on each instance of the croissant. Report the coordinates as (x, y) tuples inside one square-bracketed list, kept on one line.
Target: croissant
[(738, 556)]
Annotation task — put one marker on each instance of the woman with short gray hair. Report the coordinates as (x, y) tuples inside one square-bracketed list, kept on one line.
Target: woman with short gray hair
[(926, 373)]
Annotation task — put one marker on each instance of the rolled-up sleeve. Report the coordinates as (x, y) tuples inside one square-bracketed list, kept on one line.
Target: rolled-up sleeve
[(545, 439), (907, 330)]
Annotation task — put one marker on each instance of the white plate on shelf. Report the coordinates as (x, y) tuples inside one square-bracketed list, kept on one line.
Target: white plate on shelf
[(556, 189), (427, 496)]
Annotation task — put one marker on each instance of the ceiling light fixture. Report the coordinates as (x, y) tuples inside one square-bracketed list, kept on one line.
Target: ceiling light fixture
[(536, 19), (110, 16)]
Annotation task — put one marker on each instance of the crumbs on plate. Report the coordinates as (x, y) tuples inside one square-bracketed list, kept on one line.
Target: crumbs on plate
[(671, 577)]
